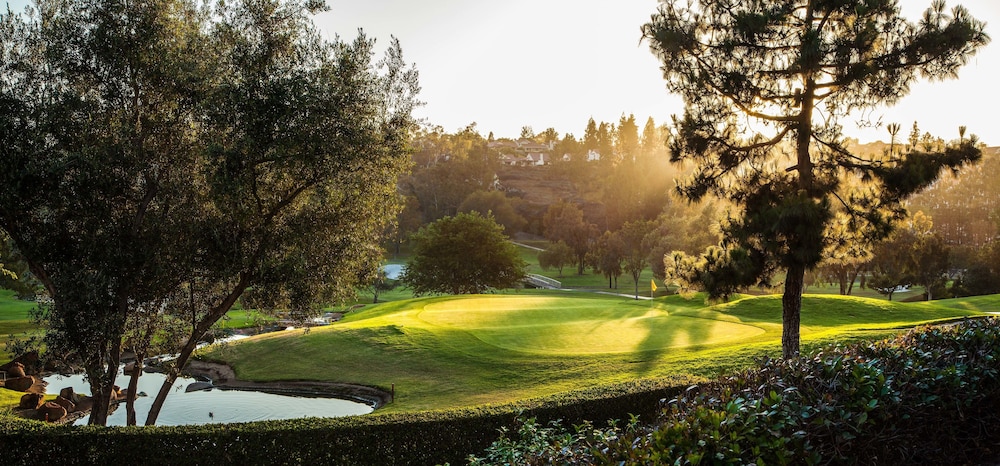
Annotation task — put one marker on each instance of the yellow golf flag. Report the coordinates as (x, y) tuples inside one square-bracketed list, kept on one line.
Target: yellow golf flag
[(652, 284)]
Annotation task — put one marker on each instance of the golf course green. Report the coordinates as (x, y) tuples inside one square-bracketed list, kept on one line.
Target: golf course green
[(462, 351)]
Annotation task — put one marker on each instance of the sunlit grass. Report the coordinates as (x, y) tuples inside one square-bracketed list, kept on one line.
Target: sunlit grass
[(10, 399), (575, 326), (15, 321), (446, 352)]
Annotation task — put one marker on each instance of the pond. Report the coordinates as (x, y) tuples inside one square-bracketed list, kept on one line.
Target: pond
[(212, 405), (393, 271)]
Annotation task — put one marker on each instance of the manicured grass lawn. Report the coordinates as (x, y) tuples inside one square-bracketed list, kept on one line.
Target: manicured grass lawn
[(241, 318), (15, 320), (446, 352)]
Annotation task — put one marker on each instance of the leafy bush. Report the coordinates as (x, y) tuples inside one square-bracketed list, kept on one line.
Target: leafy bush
[(930, 395), (418, 438)]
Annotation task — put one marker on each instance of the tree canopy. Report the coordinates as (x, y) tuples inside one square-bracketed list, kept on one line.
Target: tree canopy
[(464, 254), (765, 84), (162, 158), (564, 221)]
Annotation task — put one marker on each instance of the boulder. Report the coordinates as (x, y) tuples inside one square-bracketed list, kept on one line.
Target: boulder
[(37, 386), (195, 386), (29, 362), (51, 411), (15, 369), (32, 401), (85, 403), (20, 384), (68, 394), (69, 405)]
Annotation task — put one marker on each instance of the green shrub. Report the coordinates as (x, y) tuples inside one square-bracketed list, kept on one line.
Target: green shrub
[(421, 438), (929, 396)]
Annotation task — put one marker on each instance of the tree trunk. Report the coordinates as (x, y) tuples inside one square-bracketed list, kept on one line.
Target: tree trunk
[(191, 344), (102, 373), (102, 383), (854, 277), (168, 383), (102, 406), (133, 387), (791, 310)]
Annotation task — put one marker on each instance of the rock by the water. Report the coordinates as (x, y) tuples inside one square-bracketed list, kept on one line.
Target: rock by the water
[(20, 384), (84, 403), (69, 405), (31, 401), (195, 386), (15, 369), (68, 394), (29, 363), (51, 411)]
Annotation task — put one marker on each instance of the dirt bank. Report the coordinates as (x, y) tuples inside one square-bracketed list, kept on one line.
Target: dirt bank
[(223, 377)]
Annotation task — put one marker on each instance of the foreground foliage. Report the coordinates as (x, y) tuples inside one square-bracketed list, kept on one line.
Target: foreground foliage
[(383, 439), (930, 395)]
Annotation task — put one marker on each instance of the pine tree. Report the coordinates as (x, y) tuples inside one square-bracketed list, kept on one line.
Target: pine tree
[(764, 84)]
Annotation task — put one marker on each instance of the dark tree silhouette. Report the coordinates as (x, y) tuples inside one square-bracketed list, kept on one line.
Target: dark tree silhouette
[(765, 84)]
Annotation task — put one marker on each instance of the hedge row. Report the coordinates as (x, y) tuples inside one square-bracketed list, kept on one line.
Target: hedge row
[(422, 438), (929, 396)]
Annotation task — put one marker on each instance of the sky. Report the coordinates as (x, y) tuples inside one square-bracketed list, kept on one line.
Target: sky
[(557, 63)]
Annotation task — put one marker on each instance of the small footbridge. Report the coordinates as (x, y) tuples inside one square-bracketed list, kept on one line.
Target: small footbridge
[(538, 281)]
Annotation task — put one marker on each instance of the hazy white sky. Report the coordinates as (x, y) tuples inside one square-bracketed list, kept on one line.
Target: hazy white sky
[(556, 63)]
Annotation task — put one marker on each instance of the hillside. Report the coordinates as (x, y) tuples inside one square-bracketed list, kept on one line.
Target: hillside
[(540, 187)]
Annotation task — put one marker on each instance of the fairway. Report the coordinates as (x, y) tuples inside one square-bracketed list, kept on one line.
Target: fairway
[(461, 351), (578, 325)]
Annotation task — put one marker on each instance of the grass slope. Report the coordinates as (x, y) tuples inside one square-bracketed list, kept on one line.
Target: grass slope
[(15, 321), (446, 352)]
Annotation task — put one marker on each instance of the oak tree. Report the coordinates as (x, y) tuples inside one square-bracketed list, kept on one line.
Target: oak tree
[(162, 159), (464, 254)]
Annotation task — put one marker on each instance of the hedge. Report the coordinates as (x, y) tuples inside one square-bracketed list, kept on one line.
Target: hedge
[(420, 438)]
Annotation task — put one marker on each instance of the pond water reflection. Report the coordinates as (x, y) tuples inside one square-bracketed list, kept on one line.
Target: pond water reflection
[(393, 271), (212, 406)]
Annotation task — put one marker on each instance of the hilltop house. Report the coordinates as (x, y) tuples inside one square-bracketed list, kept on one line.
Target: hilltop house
[(523, 152)]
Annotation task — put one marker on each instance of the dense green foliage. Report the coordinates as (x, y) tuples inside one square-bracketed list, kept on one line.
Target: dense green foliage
[(555, 256), (930, 396), (464, 254), (162, 158)]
